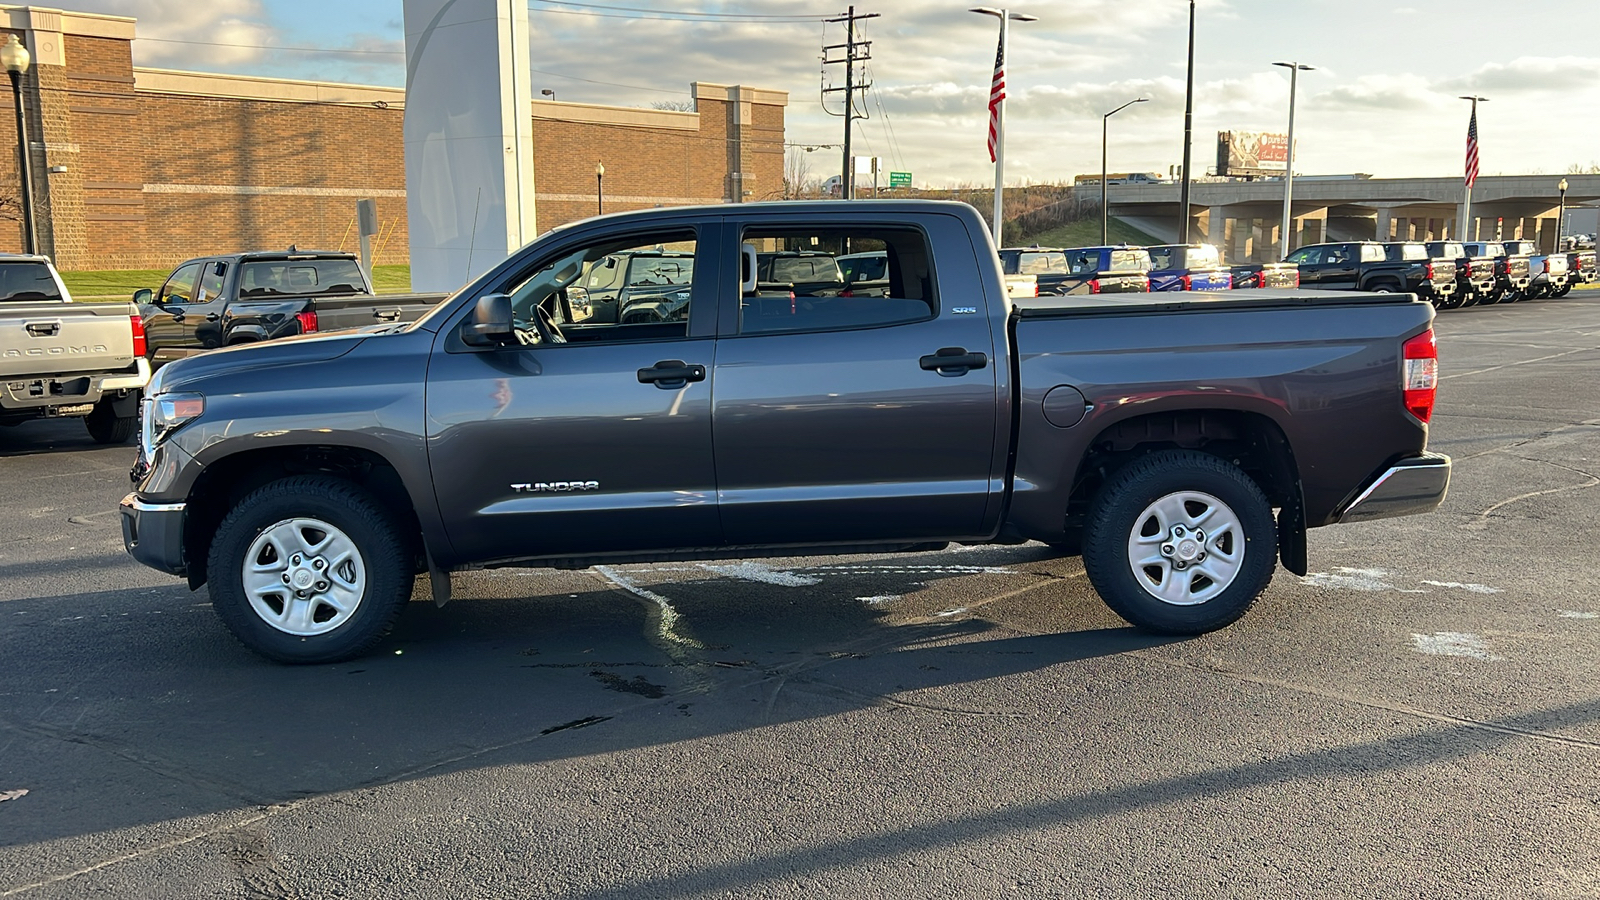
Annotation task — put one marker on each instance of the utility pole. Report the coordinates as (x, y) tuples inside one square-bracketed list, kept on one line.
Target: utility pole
[(847, 178), (1188, 132)]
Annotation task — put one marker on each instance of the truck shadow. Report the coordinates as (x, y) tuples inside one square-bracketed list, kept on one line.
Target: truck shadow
[(133, 707)]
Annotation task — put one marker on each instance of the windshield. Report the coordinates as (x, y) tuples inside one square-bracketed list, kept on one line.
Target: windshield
[(1406, 251), (1130, 260), (1042, 262), (872, 267), (27, 281), (267, 278), (1494, 250), (1204, 256)]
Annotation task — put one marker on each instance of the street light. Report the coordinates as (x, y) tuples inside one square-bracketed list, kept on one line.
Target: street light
[(1006, 17), (1288, 175), (1104, 227), (1188, 130), (1465, 226), (599, 188), (548, 93), (15, 58), (1561, 222)]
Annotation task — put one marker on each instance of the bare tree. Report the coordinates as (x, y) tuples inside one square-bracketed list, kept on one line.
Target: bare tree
[(10, 209), (796, 172), (674, 105)]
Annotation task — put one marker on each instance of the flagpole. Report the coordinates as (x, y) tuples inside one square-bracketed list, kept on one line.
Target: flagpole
[(1463, 228), (997, 109)]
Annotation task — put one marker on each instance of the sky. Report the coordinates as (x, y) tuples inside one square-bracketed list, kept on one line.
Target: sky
[(1382, 99)]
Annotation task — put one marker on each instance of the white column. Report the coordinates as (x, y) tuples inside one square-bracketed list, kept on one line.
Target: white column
[(468, 137)]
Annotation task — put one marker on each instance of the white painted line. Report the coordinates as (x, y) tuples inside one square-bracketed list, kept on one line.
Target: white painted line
[(765, 574), (1352, 579), (1453, 643), (879, 600), (1474, 588), (1575, 614)]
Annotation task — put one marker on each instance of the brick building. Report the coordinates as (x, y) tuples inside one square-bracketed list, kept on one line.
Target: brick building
[(139, 168)]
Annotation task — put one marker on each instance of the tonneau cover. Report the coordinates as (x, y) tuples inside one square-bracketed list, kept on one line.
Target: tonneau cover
[(1257, 298)]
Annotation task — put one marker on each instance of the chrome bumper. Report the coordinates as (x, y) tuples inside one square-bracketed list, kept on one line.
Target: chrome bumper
[(153, 533), (1410, 486)]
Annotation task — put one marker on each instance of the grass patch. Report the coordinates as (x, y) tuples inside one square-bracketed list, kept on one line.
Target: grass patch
[(1087, 234), (120, 284)]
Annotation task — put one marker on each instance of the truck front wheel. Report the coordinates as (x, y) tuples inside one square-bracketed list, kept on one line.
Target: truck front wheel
[(1180, 542), (309, 569)]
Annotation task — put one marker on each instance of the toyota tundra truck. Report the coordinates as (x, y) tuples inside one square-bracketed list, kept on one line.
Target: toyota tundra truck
[(1183, 444), (60, 359)]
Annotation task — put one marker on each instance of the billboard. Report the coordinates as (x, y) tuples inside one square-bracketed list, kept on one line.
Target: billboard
[(1251, 153)]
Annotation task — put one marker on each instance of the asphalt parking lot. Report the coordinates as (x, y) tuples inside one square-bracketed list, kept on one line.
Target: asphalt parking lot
[(1418, 717)]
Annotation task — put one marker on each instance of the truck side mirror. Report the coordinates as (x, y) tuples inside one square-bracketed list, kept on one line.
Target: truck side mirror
[(747, 279), (144, 295), (489, 323)]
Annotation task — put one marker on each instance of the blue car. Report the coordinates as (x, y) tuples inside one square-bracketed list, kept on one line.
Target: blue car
[(1188, 267)]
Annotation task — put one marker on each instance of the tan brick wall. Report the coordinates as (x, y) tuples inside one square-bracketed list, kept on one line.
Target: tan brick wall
[(154, 176)]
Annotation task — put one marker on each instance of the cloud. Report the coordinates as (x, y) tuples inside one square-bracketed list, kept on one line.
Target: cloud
[(183, 32), (1530, 74)]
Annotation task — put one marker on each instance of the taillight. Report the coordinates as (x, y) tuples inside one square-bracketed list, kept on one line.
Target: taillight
[(139, 345), (1229, 285), (1094, 285), (307, 320), (1296, 277), (1428, 270), (1421, 379), (1188, 283)]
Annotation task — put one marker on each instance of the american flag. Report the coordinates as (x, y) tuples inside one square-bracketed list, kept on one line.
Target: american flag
[(997, 93), (1472, 148)]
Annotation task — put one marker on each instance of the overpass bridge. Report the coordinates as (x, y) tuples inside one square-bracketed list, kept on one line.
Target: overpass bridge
[(1245, 218)]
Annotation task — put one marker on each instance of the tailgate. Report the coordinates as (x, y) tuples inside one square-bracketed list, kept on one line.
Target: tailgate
[(1280, 276), (360, 310), (1216, 280), (1517, 266), (1122, 283), (1444, 273), (59, 338)]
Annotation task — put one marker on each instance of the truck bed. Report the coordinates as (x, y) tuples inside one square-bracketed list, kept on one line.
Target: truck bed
[(1263, 298)]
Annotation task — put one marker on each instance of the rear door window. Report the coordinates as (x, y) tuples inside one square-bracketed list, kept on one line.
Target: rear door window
[(800, 285)]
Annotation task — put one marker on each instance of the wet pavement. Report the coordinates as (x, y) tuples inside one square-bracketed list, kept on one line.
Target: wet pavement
[(1420, 716)]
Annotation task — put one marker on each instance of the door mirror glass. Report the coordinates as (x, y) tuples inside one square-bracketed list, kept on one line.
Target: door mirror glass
[(144, 295), (490, 322)]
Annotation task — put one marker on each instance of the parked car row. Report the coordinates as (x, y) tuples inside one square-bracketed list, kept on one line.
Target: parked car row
[(1448, 274)]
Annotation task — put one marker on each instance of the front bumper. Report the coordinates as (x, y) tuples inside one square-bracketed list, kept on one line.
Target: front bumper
[(1410, 486), (153, 533)]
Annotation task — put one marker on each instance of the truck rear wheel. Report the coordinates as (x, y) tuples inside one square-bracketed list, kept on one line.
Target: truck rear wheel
[(1180, 542), (309, 569), (106, 427)]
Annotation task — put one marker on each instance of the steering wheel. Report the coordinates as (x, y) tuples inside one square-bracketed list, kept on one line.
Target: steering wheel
[(545, 325)]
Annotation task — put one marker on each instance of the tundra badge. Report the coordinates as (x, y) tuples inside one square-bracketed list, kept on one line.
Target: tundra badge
[(546, 487)]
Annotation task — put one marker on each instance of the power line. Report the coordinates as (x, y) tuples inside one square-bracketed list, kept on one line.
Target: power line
[(851, 57)]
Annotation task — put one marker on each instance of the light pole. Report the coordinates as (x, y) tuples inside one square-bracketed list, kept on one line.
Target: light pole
[(15, 58), (1104, 224), (1464, 227), (599, 188), (548, 93), (997, 107), (1561, 221), (1188, 130), (1288, 174)]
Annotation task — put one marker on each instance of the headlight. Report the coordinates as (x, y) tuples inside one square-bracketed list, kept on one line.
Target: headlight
[(163, 413)]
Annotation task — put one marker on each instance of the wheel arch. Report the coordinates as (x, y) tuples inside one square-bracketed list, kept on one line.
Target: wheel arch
[(228, 479), (1249, 439)]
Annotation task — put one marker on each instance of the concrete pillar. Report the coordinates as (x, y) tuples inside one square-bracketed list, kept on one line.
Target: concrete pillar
[(1547, 234), (1217, 228), (1385, 230), (468, 137)]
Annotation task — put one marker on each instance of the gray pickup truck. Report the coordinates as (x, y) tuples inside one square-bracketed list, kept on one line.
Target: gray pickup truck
[(241, 298), (1181, 443), (60, 359)]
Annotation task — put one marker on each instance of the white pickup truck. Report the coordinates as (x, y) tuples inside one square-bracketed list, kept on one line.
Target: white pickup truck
[(61, 359)]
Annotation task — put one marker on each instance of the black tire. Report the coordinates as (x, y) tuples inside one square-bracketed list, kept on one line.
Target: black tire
[(1564, 290), (385, 552), (106, 427), (1123, 505)]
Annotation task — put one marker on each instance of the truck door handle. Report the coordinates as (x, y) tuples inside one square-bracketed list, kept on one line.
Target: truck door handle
[(953, 361), (44, 329), (671, 373), (177, 315), (386, 315), (212, 317)]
